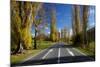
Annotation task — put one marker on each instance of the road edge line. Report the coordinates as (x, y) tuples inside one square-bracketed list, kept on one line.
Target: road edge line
[(79, 51), (33, 56), (47, 53), (82, 53)]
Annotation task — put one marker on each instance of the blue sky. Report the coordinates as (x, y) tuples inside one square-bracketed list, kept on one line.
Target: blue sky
[(64, 15), (92, 17)]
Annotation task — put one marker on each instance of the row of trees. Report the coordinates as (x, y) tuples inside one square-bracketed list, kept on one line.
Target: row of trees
[(55, 35), (65, 35), (79, 24), (23, 16), (53, 30)]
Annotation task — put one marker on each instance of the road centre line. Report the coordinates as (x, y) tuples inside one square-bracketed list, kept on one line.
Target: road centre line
[(58, 55), (47, 53)]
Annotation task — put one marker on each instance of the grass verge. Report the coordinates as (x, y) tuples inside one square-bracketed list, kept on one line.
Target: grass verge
[(90, 51), (27, 53), (20, 57)]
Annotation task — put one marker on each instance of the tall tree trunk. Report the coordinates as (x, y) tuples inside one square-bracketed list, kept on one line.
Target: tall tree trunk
[(35, 40), (77, 19), (76, 25), (85, 21), (53, 26), (18, 49), (16, 25)]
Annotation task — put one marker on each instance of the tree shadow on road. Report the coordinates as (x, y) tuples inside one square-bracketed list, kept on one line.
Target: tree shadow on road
[(68, 59)]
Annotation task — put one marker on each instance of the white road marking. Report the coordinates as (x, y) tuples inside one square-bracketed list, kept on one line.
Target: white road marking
[(58, 55), (82, 53), (70, 52), (79, 51), (47, 53), (32, 56)]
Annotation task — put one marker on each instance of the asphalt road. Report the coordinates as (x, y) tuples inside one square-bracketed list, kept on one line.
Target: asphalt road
[(58, 53)]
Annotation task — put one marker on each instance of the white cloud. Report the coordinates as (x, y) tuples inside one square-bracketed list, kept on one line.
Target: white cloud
[(59, 30), (49, 32), (91, 25), (33, 34), (71, 32)]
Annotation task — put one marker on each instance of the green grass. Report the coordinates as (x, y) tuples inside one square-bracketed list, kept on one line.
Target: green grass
[(20, 57), (44, 45), (90, 51), (27, 53)]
